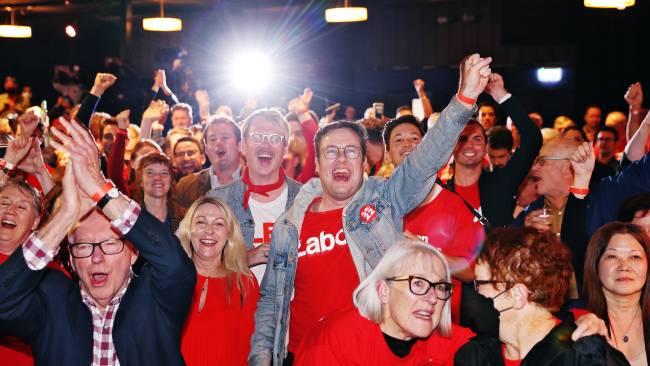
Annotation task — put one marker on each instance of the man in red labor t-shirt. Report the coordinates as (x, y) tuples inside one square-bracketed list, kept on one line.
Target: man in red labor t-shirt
[(339, 225)]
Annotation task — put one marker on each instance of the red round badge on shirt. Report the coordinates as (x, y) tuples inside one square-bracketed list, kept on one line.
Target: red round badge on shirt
[(368, 213)]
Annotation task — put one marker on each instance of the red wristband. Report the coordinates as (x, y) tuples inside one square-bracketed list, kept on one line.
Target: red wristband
[(102, 191), (5, 164), (576, 190), (465, 99)]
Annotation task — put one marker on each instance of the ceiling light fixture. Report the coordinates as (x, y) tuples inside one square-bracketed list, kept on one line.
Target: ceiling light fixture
[(617, 4), (70, 30), (346, 14), (162, 23), (15, 31)]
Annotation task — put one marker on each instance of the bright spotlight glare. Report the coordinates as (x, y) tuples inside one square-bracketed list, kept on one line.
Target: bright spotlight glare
[(70, 31), (549, 75), (251, 70)]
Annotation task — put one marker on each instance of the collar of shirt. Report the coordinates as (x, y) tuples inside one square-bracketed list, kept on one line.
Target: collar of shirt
[(92, 305), (214, 181)]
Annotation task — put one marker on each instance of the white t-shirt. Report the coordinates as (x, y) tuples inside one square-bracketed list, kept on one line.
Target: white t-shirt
[(264, 215)]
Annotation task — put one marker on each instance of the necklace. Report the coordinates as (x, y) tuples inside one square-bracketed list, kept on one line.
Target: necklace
[(625, 337)]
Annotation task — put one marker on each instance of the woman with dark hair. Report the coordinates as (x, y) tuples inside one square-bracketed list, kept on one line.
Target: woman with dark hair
[(155, 189), (525, 275), (616, 290)]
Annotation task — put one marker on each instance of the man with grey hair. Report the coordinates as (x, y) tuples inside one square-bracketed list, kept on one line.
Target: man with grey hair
[(107, 317), (562, 172), (221, 141), (263, 192)]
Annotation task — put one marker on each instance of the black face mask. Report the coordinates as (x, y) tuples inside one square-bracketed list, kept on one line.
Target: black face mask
[(478, 312)]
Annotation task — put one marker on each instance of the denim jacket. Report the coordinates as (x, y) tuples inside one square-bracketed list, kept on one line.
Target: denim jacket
[(367, 238), (233, 195)]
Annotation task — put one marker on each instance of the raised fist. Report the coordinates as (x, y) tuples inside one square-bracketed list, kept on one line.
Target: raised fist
[(474, 74), (103, 81), (495, 87), (418, 84), (634, 95)]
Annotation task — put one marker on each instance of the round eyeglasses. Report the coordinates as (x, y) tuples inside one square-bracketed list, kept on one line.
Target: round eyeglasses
[(421, 286), (351, 152), (258, 138)]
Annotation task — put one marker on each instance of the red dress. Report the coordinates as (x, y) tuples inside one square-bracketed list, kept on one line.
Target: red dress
[(220, 333)]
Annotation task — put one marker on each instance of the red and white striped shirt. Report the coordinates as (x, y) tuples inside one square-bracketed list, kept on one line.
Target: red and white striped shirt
[(37, 258)]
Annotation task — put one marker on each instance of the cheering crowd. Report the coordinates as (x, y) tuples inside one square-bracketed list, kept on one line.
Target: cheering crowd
[(196, 236)]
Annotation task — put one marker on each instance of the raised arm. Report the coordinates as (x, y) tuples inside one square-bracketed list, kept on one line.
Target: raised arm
[(102, 83), (300, 106), (21, 306), (172, 271), (634, 98), (115, 163), (437, 145), (422, 94), (203, 100), (607, 196), (636, 146), (531, 137)]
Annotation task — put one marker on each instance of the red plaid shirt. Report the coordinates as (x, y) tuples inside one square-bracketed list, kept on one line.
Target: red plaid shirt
[(37, 258), (103, 346)]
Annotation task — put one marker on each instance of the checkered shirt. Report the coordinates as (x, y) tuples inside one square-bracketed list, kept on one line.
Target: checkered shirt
[(37, 258), (103, 346)]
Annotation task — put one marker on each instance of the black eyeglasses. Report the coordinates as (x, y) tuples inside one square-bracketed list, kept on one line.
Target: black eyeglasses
[(421, 286), (479, 283), (351, 152), (85, 250)]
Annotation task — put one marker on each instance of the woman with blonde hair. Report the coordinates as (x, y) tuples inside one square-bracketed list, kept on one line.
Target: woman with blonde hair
[(220, 323)]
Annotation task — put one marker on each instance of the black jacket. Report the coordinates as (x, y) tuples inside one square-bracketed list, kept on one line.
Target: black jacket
[(45, 308), (556, 349), (498, 187)]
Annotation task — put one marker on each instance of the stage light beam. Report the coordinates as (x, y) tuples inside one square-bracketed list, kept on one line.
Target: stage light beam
[(251, 71)]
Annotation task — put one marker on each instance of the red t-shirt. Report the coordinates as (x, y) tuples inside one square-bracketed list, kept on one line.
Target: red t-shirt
[(220, 333), (347, 338), (325, 276), (470, 194), (447, 224)]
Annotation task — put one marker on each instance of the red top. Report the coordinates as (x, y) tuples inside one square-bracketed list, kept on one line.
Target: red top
[(470, 194), (220, 333), (309, 128), (347, 338), (325, 276), (447, 224)]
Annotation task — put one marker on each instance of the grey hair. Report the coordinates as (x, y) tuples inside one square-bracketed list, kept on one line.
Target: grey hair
[(365, 296), (270, 115)]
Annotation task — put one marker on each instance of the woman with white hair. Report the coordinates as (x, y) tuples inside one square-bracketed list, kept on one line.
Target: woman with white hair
[(401, 317)]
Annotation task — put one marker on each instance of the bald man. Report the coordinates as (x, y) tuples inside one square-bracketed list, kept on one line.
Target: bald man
[(562, 171), (618, 121)]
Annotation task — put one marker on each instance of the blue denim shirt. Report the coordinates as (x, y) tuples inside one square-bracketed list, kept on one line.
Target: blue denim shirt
[(233, 195), (367, 239)]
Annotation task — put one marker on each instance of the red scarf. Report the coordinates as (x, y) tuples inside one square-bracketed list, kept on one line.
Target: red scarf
[(263, 189)]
